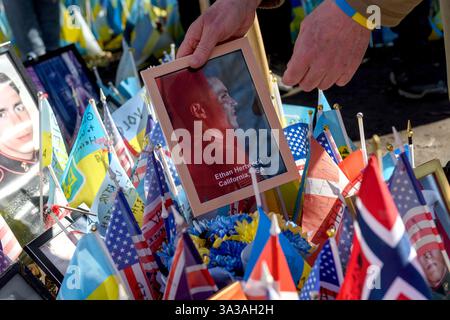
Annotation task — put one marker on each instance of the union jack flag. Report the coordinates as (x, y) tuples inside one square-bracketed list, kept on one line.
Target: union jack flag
[(413, 209), (125, 158), (8, 241), (297, 138), (326, 276), (383, 264), (189, 278), (130, 252)]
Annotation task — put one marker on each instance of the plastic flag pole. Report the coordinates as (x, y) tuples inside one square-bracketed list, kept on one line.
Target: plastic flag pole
[(41, 97), (333, 146), (172, 51), (319, 111), (362, 136), (252, 172), (398, 140), (310, 123), (162, 158), (410, 133), (338, 108)]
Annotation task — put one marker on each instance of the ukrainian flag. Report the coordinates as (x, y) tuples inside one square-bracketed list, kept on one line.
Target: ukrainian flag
[(91, 275), (54, 151), (88, 161)]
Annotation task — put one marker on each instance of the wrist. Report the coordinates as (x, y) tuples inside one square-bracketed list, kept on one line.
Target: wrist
[(353, 14)]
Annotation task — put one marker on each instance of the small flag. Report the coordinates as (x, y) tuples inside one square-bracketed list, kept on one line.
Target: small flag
[(326, 276), (5, 262), (91, 274), (383, 264), (297, 138), (273, 255), (130, 252), (323, 141), (10, 246), (344, 238), (189, 278)]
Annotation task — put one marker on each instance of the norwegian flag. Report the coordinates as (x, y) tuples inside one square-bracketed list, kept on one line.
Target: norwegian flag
[(413, 209), (326, 276), (273, 256), (189, 278), (130, 251), (125, 158), (383, 264), (9, 243), (297, 138), (322, 203)]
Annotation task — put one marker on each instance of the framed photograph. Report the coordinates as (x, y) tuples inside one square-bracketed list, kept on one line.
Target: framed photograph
[(19, 149), (18, 283), (218, 122), (436, 191), (53, 250), (64, 76)]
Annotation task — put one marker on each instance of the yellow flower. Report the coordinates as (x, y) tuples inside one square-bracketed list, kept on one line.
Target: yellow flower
[(246, 232)]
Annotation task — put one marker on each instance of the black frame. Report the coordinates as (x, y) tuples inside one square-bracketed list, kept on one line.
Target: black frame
[(39, 257), (21, 270), (87, 72), (7, 48)]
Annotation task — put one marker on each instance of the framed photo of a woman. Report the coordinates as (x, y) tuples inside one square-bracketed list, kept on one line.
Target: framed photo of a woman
[(19, 144), (219, 121)]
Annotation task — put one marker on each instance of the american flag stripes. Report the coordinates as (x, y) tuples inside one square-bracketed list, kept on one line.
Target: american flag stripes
[(189, 278), (344, 238), (413, 209), (125, 158), (130, 251), (153, 224), (326, 145), (326, 276), (297, 138), (11, 247), (383, 264)]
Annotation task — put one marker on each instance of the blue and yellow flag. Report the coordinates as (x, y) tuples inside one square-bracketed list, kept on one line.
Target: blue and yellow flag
[(54, 151), (131, 121), (91, 274), (88, 161)]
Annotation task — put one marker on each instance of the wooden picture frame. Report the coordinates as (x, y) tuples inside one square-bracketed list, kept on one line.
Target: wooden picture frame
[(226, 58)]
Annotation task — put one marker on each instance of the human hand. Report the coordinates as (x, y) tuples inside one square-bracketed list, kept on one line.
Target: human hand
[(328, 50), (224, 20)]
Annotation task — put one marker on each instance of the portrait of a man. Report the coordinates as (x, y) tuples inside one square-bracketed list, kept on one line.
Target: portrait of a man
[(19, 165)]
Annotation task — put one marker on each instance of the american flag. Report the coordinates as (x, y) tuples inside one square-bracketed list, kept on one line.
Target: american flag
[(383, 265), (189, 278), (125, 158), (138, 172), (11, 247), (322, 205), (153, 223), (130, 251), (326, 276), (323, 141), (413, 209), (344, 238), (297, 138), (5, 262)]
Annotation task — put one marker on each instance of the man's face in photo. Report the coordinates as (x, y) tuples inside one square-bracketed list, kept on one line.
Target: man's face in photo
[(16, 130), (224, 98), (434, 266)]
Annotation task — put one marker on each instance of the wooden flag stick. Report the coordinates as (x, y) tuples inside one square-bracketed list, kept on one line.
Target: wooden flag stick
[(310, 123), (379, 154), (338, 108), (362, 136)]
